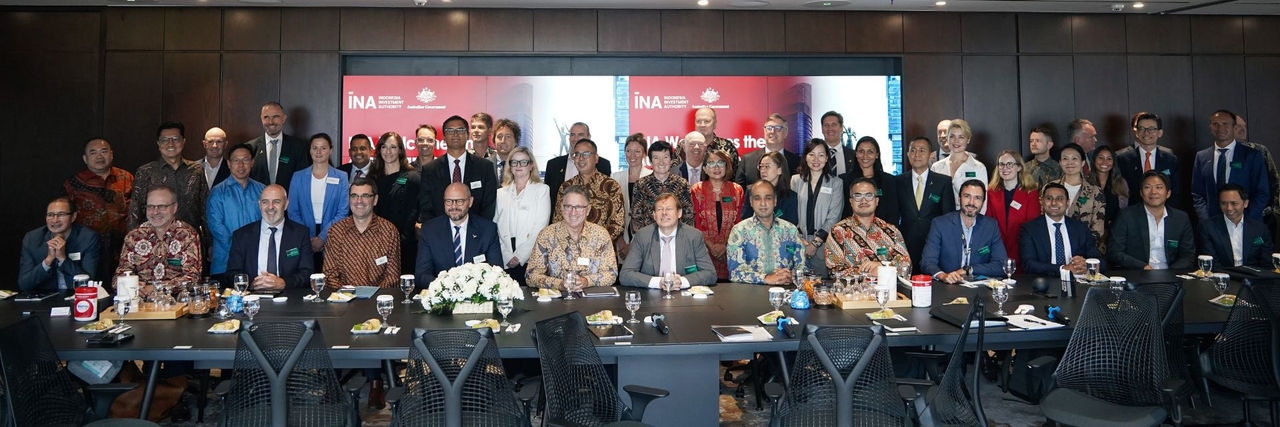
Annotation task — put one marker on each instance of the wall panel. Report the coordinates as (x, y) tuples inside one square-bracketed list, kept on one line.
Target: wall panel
[(251, 29), (192, 28), (1047, 96), (873, 32), (311, 92), (564, 30), (1263, 114), (190, 95), (132, 92), (1218, 82), (75, 31), (1044, 33), (248, 81), (612, 40), (1102, 96), (436, 30), (309, 28), (371, 29), (501, 30), (134, 28), (988, 33), (991, 103), (814, 32), (1261, 33), (931, 91), (1098, 34), (1158, 34), (754, 31), (931, 32), (691, 30)]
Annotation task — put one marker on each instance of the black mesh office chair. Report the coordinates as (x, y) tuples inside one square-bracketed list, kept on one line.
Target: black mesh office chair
[(39, 390), (950, 403), (454, 378), (1169, 298), (1245, 358), (283, 376), (842, 376), (1115, 370), (577, 389)]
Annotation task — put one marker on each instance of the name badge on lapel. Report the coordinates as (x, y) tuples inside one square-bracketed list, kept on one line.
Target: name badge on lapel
[(1236, 165), (380, 260), (1171, 243), (284, 159), (825, 190), (478, 259), (74, 256), (935, 198), (984, 250), (174, 262), (475, 185), (292, 252), (402, 180), (691, 269), (1015, 205), (333, 180), (584, 261), (1257, 241), (970, 174)]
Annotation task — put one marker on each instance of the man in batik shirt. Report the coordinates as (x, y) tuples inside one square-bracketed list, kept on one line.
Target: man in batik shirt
[(163, 248), (861, 241), (183, 176), (573, 244), (364, 248), (764, 249), (605, 195), (101, 195)]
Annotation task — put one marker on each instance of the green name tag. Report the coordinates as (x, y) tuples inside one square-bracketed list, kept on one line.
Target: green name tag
[(402, 180), (1171, 243), (935, 198), (879, 193), (1236, 165), (284, 159), (970, 174), (777, 212), (1257, 241), (1082, 200), (1166, 172), (882, 251), (984, 250), (174, 262), (691, 269), (292, 252), (727, 199)]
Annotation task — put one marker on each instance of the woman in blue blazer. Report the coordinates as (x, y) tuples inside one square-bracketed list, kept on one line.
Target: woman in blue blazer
[(318, 194)]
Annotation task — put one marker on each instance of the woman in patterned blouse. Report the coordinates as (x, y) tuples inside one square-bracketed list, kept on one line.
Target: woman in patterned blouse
[(648, 188), (1114, 188), (717, 201), (1085, 201)]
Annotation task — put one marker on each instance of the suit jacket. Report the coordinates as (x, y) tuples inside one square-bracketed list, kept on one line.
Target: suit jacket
[(224, 172), (1035, 246), (1247, 169), (82, 249), (1028, 203), (294, 156), (294, 261), (747, 171), (477, 174), (1214, 240), (849, 161), (692, 260), (915, 222), (336, 203), (943, 248), (1127, 247), (435, 245), (1129, 164), (827, 207), (554, 176)]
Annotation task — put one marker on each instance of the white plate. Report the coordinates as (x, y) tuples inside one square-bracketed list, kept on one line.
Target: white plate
[(761, 318), (1218, 300), (355, 331), (222, 332), (471, 323), (85, 329)]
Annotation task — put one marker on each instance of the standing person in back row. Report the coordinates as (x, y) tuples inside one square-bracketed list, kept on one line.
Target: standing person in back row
[(922, 195), (1134, 161), (457, 165), (277, 155), (961, 165), (1228, 162)]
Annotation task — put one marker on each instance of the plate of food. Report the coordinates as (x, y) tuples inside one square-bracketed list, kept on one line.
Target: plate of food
[(341, 297), (882, 314), (227, 327), (96, 327), (486, 323), (770, 318), (548, 293), (371, 326), (603, 317), (1224, 300), (700, 290)]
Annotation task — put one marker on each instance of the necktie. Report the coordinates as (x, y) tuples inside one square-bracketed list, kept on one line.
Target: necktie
[(1222, 166), (457, 245), (457, 171), (272, 263), (831, 161), (695, 175), (1146, 164), (359, 173), (1059, 248), (273, 157), (919, 191), (501, 163), (667, 257)]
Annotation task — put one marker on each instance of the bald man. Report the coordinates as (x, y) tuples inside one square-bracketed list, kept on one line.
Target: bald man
[(456, 237), (214, 161)]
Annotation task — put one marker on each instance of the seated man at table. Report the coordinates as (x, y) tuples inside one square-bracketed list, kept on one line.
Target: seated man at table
[(667, 246), (54, 254), (964, 241), (860, 242), (763, 249), (456, 237), (163, 248), (1151, 235), (1233, 239), (573, 245), (274, 251), (1053, 242), (363, 249)]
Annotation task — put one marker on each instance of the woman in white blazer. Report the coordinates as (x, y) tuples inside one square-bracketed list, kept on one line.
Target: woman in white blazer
[(819, 203), (524, 207), (636, 149)]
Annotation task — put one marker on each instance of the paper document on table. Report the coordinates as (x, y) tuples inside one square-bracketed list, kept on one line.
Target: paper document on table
[(741, 333), (1027, 321)]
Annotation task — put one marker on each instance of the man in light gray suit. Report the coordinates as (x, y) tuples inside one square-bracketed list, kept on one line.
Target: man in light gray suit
[(667, 246)]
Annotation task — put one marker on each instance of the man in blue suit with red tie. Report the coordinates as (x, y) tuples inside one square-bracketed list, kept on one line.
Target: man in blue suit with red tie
[(1053, 242), (455, 238), (964, 241), (1228, 162)]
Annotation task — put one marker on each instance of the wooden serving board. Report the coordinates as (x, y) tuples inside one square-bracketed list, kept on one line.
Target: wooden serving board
[(173, 313), (901, 302)]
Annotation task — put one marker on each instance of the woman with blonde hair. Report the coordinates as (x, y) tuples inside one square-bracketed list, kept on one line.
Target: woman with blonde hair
[(1012, 198), (524, 207)]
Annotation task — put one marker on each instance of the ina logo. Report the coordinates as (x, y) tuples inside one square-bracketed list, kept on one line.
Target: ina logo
[(710, 95), (426, 95)]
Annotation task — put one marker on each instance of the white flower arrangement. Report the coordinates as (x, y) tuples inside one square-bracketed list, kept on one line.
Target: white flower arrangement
[(471, 282)]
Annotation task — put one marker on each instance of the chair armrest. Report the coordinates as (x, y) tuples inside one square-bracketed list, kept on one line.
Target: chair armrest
[(640, 398), (1174, 389), (913, 382), (393, 396), (102, 395), (529, 393), (1042, 362), (223, 388), (354, 384)]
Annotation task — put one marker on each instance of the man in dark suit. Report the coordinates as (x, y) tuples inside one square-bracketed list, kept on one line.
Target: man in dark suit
[(274, 251), (936, 197), (1129, 246), (1232, 238), (457, 165), (694, 146), (456, 238), (964, 242), (359, 149), (775, 139), (54, 254), (215, 161), (560, 169), (1228, 162), (1053, 242), (840, 158), (277, 155), (667, 246), (1134, 161)]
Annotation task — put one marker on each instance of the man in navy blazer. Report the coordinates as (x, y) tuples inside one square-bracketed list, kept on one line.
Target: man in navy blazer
[(1037, 238), (54, 254), (964, 240), (1132, 161), (476, 174), (557, 167), (686, 254), (936, 197), (1232, 238), (1129, 246), (1228, 162), (292, 154), (251, 247), (440, 237)]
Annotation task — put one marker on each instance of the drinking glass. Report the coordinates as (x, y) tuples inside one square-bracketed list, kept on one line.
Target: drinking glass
[(848, 284), (633, 304), (904, 271), (317, 285), (505, 305), (570, 284), (241, 282), (386, 304), (668, 284), (1206, 265), (1220, 282), (777, 297), (1092, 267), (1000, 294), (882, 297), (122, 308), (1010, 266), (1275, 261), (407, 286), (251, 306)]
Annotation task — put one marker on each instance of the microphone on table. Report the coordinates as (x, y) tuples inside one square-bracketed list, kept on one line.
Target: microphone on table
[(659, 321)]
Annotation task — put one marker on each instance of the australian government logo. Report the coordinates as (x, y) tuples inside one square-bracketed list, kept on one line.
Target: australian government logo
[(710, 95), (426, 96)]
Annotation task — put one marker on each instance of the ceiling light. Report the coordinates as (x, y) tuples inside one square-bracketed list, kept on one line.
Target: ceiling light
[(748, 3), (703, 2), (939, 3), (826, 3), (1139, 5)]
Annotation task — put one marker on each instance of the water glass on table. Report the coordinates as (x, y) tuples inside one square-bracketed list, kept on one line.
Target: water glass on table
[(407, 286), (251, 306), (504, 305), (633, 304), (386, 304), (1206, 266), (317, 285)]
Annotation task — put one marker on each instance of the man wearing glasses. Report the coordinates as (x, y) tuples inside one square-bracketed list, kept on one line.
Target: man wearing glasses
[(775, 139), (164, 248), (184, 177), (922, 196), (694, 147), (457, 166), (860, 242), (455, 238), (573, 245), (606, 194), (363, 249), (52, 255), (231, 205), (561, 168), (1145, 155)]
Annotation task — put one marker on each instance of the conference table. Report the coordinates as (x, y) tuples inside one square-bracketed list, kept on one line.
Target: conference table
[(686, 362)]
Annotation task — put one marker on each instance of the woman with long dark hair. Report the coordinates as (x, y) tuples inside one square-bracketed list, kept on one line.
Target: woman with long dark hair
[(398, 187), (772, 168), (868, 165), (820, 198)]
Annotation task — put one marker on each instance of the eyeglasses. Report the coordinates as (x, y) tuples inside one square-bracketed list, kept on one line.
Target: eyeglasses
[(1145, 130), (455, 202), (362, 196), (53, 215), (858, 197), (520, 163), (773, 128), (169, 140), (1006, 164), (455, 131), (583, 153), (573, 208), (158, 207), (715, 164)]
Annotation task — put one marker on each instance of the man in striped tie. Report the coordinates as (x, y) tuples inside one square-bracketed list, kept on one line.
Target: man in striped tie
[(456, 237)]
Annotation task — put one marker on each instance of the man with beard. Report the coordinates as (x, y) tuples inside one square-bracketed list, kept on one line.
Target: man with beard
[(861, 242), (456, 238), (363, 249), (54, 254), (277, 155), (274, 251), (964, 242), (359, 149), (1054, 242), (775, 139)]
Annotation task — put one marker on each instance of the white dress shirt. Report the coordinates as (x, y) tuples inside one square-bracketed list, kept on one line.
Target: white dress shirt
[(210, 171), (970, 169), (318, 185), (1155, 240), (1236, 233), (1066, 239), (1231, 151), (667, 262), (364, 171), (839, 156), (462, 236), (461, 166)]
